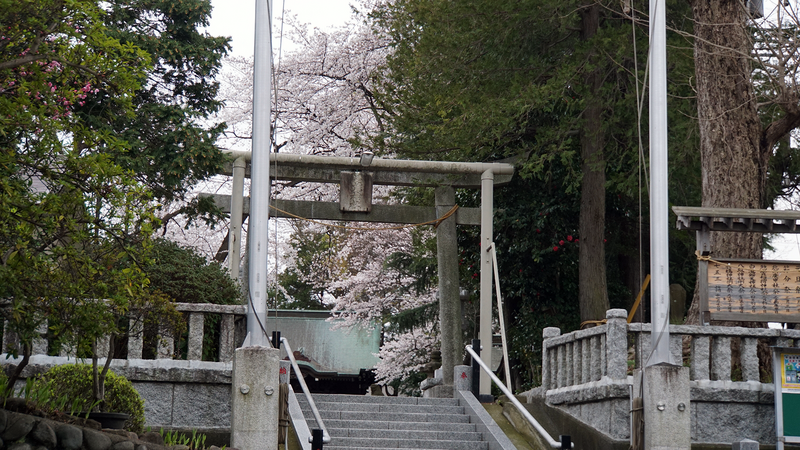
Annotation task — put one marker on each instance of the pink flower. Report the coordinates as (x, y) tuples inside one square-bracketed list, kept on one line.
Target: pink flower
[(569, 238), (555, 248), (561, 242)]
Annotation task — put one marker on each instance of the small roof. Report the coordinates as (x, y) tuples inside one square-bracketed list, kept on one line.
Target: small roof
[(734, 219)]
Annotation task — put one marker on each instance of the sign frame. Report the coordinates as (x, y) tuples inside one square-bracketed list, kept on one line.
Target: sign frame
[(787, 395), (763, 304)]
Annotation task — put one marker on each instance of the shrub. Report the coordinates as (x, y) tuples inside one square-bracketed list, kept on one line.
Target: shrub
[(75, 382)]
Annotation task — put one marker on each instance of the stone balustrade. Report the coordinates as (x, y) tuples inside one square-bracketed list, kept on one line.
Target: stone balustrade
[(197, 316), (589, 355), (587, 374)]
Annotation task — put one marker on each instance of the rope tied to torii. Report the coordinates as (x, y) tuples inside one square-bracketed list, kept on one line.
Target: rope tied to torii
[(435, 222)]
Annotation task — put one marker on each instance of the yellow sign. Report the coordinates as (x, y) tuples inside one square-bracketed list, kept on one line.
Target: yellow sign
[(790, 371)]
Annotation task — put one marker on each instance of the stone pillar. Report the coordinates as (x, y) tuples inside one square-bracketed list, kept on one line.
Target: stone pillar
[(103, 344), (462, 379), (135, 338), (226, 337), (701, 351), (721, 358), (667, 414), (548, 374), (750, 370), (617, 344), (165, 348), (10, 339), (196, 325), (485, 258), (449, 301), (39, 346), (255, 395)]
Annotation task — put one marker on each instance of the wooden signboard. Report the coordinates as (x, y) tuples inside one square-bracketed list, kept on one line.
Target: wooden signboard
[(751, 290)]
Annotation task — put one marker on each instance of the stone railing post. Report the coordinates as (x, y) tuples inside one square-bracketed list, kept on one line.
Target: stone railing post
[(135, 337), (165, 348), (10, 339), (103, 345), (749, 352), (39, 346), (701, 356), (196, 324), (226, 338), (721, 358), (586, 360), (617, 344), (548, 371), (596, 358), (577, 361)]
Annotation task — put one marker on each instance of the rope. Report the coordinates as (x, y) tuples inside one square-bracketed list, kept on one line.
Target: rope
[(434, 222), (709, 259)]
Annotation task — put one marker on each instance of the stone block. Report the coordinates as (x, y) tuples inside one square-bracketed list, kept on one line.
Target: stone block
[(199, 405), (745, 444), (157, 402)]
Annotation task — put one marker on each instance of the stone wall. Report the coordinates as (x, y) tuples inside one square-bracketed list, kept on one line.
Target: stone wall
[(177, 394)]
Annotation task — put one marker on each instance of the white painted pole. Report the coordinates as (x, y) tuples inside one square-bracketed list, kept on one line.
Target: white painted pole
[(237, 207), (659, 207), (258, 233), (485, 327)]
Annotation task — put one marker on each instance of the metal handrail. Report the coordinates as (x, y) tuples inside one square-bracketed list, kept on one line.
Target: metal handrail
[(553, 443), (326, 438)]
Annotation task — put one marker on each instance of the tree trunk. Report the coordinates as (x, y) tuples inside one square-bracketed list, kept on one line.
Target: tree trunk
[(734, 156), (593, 294)]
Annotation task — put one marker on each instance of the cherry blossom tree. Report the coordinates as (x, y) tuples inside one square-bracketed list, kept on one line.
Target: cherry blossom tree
[(325, 106)]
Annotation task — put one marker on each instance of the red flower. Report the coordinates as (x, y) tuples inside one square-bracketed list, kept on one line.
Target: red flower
[(561, 242), (555, 248), (538, 230), (605, 240), (576, 241), (569, 238)]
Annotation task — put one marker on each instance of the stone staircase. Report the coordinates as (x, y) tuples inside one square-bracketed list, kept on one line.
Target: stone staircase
[(373, 422)]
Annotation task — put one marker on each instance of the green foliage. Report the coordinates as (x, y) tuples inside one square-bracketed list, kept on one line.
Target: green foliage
[(74, 382), (197, 441), (188, 277), (170, 147)]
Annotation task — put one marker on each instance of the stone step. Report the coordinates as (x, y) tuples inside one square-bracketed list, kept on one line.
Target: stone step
[(419, 426), (379, 399), (406, 443), (389, 416), (384, 407), (410, 433)]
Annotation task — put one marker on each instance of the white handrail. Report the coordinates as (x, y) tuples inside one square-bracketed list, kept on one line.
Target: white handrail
[(553, 443), (326, 438)]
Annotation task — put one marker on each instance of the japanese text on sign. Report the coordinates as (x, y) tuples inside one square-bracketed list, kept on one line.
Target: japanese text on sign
[(752, 287)]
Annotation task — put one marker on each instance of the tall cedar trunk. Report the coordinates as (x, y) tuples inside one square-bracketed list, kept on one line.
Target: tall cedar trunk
[(592, 257), (734, 157)]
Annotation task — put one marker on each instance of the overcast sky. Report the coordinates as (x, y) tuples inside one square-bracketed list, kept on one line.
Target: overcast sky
[(235, 18)]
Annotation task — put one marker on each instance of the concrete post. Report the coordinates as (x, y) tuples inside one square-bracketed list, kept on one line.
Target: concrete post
[(135, 337), (462, 379), (449, 303), (548, 376), (237, 209), (196, 328), (617, 344), (485, 327), (254, 399), (667, 414)]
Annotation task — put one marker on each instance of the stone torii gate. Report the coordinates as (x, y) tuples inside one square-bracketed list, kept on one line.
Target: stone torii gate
[(356, 176)]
